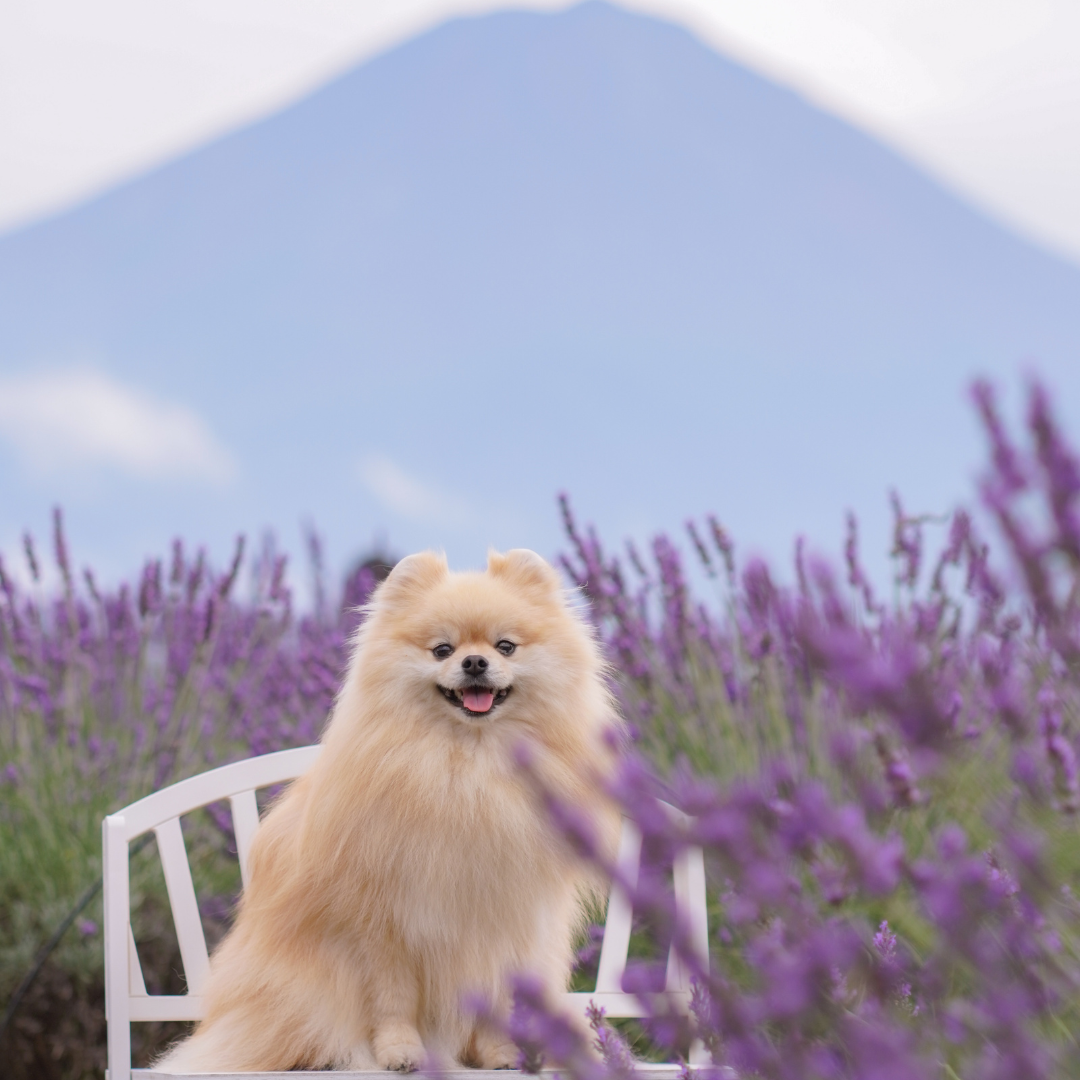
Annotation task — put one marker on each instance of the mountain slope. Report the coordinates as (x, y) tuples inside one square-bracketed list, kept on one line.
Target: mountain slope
[(529, 252)]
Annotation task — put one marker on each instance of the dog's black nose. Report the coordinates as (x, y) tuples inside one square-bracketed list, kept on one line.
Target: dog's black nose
[(474, 665)]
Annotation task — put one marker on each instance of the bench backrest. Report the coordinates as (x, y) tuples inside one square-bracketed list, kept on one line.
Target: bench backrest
[(126, 999)]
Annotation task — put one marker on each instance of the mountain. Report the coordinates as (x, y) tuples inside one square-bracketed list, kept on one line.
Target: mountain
[(524, 253)]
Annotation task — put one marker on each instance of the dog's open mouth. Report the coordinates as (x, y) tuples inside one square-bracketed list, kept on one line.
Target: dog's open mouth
[(475, 700)]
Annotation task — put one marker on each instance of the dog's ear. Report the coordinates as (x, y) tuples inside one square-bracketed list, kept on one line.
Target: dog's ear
[(525, 569), (415, 574)]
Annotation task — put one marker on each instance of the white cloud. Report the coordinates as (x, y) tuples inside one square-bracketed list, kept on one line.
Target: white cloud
[(68, 420), (984, 94), (397, 490)]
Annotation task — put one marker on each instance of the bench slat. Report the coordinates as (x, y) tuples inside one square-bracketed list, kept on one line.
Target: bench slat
[(185, 908), (245, 820), (615, 1005), (136, 986), (689, 881), (167, 1007), (619, 915), (186, 795)]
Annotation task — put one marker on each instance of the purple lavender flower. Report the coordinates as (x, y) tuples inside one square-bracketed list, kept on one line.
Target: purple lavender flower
[(879, 713), (907, 542), (31, 556), (615, 1054), (63, 564), (724, 546), (857, 578)]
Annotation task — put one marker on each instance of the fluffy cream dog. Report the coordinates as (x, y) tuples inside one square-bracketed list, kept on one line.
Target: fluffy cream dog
[(413, 864)]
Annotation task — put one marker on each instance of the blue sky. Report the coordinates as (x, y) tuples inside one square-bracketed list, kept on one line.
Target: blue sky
[(519, 254)]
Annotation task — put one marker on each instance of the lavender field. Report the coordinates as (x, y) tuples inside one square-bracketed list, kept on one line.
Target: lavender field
[(886, 787)]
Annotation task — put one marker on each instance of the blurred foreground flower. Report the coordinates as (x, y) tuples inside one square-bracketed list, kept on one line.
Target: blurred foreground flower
[(886, 793)]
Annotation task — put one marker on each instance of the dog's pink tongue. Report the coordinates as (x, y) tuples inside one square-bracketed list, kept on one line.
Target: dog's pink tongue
[(478, 700)]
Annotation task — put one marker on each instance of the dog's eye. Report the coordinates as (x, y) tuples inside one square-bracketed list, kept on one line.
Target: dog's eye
[(506, 647), (442, 651)]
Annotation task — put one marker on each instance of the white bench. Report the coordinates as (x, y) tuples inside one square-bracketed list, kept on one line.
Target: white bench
[(126, 999)]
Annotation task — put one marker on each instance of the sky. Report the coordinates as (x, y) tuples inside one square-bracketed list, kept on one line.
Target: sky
[(984, 94), (111, 418)]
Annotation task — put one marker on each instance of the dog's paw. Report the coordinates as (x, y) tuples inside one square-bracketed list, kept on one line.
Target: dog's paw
[(397, 1047), (401, 1057), (503, 1055)]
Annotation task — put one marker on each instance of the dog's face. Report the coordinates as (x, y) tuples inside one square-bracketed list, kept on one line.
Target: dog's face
[(475, 682), (476, 647)]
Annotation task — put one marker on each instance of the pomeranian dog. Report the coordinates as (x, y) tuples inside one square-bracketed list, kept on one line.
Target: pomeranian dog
[(414, 865)]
